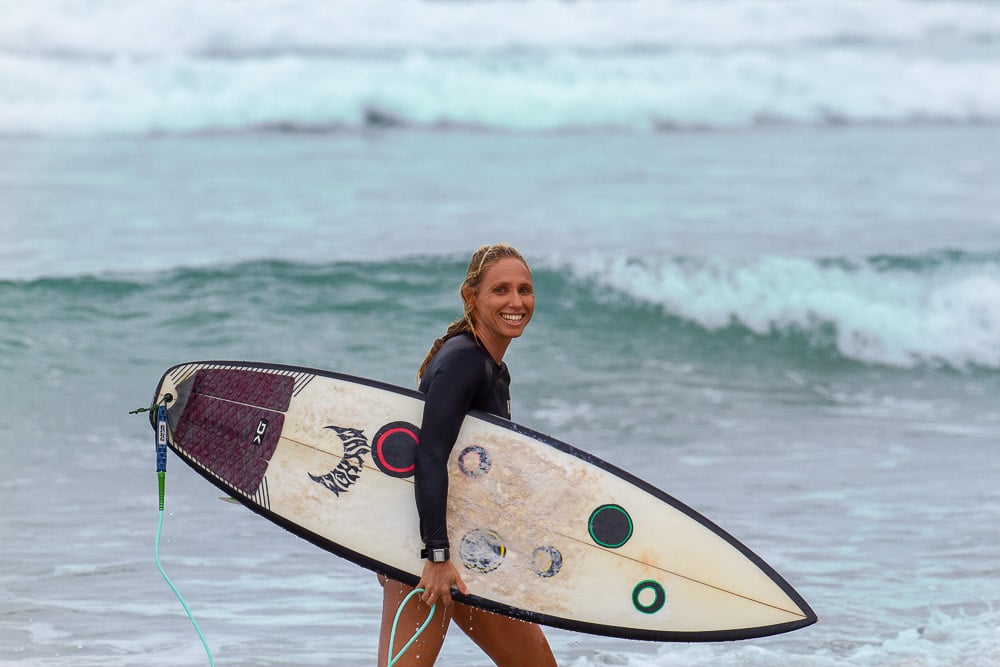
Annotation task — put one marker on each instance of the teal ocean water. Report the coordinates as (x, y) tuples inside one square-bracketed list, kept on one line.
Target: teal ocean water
[(784, 310)]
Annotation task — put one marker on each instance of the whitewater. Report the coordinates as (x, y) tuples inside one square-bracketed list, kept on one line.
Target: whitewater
[(169, 66)]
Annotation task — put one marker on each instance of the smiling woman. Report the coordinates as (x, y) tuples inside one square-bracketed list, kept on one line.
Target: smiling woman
[(464, 371), (494, 272)]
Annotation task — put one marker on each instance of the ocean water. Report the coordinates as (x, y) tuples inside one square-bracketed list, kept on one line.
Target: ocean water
[(766, 244)]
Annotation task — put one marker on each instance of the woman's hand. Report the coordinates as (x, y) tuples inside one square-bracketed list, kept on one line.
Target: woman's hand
[(437, 581)]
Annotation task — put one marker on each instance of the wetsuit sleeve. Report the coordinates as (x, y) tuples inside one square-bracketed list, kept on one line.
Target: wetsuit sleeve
[(449, 394)]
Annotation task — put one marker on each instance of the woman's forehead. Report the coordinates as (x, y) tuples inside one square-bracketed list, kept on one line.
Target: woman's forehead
[(508, 269)]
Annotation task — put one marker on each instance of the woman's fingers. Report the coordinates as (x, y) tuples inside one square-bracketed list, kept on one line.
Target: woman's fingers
[(438, 580)]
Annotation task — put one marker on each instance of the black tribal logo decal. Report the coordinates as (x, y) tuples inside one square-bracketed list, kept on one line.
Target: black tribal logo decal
[(343, 477)]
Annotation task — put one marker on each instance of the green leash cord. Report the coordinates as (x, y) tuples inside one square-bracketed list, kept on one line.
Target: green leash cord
[(180, 597), (392, 636), (161, 473)]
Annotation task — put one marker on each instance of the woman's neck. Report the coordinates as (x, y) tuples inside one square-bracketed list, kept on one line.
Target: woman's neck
[(496, 348)]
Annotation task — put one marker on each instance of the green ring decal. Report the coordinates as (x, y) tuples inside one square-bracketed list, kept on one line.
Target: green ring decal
[(610, 526), (659, 600)]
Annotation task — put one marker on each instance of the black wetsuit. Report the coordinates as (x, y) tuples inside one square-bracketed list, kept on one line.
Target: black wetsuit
[(462, 376)]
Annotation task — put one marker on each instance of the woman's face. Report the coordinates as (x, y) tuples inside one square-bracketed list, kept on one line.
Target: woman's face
[(504, 301)]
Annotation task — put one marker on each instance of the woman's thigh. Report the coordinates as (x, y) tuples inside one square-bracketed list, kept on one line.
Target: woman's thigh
[(507, 641)]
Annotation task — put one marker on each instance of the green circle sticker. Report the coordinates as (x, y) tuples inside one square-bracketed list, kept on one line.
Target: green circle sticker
[(648, 596), (610, 526)]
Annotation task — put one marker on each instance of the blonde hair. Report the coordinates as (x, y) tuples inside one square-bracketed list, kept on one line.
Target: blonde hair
[(482, 260)]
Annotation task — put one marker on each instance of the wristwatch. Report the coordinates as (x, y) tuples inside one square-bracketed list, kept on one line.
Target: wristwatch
[(439, 555)]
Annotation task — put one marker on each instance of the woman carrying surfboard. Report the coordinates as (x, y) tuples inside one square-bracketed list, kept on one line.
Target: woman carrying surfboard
[(464, 371)]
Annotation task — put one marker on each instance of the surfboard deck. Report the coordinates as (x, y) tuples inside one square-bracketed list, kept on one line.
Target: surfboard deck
[(540, 530)]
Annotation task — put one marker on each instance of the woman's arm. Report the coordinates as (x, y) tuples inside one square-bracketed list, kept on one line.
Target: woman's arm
[(449, 393)]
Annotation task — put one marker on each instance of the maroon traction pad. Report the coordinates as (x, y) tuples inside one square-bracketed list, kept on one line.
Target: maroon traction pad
[(232, 421)]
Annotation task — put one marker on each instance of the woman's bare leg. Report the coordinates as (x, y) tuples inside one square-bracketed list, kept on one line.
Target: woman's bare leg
[(507, 641)]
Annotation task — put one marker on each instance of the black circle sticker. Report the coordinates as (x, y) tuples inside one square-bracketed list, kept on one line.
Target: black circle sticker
[(474, 461), (649, 597), (394, 449), (546, 561), (610, 526)]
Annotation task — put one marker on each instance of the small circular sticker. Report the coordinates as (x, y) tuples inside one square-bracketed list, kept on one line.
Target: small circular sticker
[(546, 561), (649, 597), (394, 449), (474, 461), (482, 550), (610, 526)]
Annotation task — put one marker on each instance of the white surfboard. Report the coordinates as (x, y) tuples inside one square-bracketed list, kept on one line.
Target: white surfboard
[(541, 531)]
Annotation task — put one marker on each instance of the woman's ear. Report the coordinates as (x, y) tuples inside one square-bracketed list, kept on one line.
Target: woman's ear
[(468, 298)]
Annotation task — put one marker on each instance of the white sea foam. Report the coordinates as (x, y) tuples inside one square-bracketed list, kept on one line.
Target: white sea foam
[(945, 640), (180, 65), (897, 315)]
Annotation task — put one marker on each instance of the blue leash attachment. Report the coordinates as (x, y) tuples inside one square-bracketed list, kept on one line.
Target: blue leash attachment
[(161, 449)]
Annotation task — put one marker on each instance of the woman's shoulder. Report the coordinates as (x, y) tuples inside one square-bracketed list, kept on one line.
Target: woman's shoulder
[(459, 354), (461, 349)]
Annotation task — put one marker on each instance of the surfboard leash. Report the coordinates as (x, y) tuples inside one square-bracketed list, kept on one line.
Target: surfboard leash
[(161, 473), (393, 659)]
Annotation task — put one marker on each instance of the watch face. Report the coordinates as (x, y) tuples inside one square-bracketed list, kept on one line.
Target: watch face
[(439, 555)]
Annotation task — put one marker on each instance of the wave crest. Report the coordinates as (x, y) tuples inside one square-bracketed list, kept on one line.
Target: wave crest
[(934, 311), (941, 309)]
